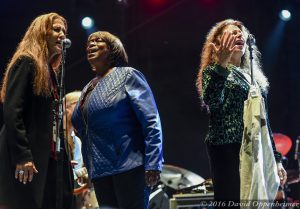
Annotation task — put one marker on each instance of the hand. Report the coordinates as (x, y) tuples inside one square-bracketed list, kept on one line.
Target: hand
[(81, 173), (25, 171), (281, 173), (82, 181), (152, 177), (73, 163), (226, 48)]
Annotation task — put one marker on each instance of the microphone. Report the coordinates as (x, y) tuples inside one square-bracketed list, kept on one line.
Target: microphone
[(66, 43), (297, 149), (251, 40)]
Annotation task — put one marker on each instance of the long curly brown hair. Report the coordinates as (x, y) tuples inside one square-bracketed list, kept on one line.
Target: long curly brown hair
[(208, 57), (34, 45)]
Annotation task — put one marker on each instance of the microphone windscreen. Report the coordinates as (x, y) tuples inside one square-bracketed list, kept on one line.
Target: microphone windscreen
[(250, 39), (66, 43)]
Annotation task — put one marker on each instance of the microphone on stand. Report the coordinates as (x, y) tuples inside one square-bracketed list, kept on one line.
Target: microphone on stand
[(250, 40), (66, 43), (296, 156)]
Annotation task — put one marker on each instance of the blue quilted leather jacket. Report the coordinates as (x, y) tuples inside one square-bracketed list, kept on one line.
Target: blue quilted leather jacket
[(119, 125)]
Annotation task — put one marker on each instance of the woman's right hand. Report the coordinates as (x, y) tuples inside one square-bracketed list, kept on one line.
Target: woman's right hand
[(152, 177), (25, 171), (226, 48)]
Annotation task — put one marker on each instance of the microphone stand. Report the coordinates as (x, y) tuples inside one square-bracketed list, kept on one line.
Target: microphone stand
[(297, 157), (60, 137), (251, 41)]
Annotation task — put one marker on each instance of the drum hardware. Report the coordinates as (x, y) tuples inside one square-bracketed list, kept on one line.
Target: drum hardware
[(200, 188), (175, 180), (290, 193), (178, 181), (205, 187), (179, 178), (292, 188), (159, 199), (189, 201)]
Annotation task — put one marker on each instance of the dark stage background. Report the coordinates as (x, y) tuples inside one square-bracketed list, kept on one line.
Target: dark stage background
[(164, 39)]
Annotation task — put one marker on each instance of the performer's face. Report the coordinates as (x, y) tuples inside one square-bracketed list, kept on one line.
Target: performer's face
[(97, 52), (55, 36), (240, 41)]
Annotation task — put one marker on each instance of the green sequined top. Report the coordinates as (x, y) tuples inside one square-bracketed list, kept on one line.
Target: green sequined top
[(224, 91)]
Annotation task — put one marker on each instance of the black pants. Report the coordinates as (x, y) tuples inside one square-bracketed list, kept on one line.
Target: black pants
[(49, 201), (224, 165), (123, 191)]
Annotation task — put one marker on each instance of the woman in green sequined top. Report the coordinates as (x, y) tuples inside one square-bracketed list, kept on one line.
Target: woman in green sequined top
[(223, 84)]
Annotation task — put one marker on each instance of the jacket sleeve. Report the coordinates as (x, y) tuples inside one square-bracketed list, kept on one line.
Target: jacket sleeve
[(143, 104), (213, 83), (19, 91), (77, 117), (277, 155)]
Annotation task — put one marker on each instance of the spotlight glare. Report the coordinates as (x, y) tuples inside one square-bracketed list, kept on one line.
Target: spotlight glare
[(87, 23), (285, 15), (122, 2)]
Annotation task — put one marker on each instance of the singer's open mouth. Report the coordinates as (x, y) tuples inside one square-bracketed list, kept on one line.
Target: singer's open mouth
[(92, 53), (92, 50), (240, 43), (58, 44)]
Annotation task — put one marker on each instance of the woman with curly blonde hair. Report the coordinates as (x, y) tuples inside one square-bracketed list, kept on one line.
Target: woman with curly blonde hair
[(29, 94), (223, 84)]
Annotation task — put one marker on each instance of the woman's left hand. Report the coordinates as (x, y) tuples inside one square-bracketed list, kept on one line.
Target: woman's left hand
[(25, 171), (281, 173), (152, 177)]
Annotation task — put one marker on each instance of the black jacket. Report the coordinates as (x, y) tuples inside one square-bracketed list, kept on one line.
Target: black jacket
[(26, 135)]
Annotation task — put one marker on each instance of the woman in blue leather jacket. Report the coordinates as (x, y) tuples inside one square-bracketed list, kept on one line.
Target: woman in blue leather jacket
[(118, 122)]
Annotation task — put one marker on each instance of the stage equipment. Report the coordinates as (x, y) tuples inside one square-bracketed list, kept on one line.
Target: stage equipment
[(283, 143), (179, 178)]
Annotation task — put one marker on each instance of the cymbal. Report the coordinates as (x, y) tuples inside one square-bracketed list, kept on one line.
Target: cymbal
[(179, 178), (283, 143)]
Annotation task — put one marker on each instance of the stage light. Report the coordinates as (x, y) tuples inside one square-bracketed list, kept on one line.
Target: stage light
[(87, 23), (122, 2), (285, 15)]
